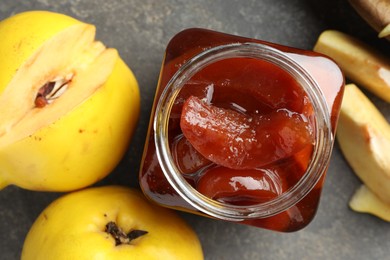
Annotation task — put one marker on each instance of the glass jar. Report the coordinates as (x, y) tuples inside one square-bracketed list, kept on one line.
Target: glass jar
[(227, 74)]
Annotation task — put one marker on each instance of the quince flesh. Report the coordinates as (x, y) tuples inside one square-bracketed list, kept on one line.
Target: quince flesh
[(385, 32), (365, 201), (360, 63), (69, 105), (364, 138), (75, 226)]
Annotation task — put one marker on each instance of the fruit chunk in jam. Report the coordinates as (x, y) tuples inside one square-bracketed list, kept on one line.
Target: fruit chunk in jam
[(238, 125), (235, 187), (240, 141)]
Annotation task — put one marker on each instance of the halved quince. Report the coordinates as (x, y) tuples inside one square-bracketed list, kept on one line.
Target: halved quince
[(69, 105)]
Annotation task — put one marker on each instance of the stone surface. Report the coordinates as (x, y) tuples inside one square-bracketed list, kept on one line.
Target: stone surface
[(140, 31)]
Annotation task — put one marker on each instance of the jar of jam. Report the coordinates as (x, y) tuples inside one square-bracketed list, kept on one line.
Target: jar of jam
[(241, 130)]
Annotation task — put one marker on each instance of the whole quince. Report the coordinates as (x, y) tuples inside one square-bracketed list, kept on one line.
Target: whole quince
[(69, 105), (110, 222)]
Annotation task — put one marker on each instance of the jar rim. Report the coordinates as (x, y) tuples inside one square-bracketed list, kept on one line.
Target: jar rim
[(323, 135)]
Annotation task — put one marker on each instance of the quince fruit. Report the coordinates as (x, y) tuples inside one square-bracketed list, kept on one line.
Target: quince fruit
[(69, 105), (109, 222)]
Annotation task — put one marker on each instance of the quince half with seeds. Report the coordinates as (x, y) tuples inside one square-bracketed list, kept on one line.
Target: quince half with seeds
[(69, 105)]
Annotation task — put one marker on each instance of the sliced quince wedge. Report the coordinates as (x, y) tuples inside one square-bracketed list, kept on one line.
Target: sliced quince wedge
[(385, 32), (68, 103), (365, 201), (362, 64), (364, 138)]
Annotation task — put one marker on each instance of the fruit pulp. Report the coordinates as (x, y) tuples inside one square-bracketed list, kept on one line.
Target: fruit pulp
[(224, 109)]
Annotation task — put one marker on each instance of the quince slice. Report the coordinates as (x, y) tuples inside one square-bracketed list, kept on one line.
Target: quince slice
[(365, 201), (364, 138), (360, 63), (385, 32), (68, 103)]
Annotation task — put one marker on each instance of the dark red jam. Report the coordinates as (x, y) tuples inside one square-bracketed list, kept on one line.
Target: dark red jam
[(241, 130)]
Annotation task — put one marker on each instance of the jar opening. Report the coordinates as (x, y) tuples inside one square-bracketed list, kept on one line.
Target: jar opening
[(323, 136)]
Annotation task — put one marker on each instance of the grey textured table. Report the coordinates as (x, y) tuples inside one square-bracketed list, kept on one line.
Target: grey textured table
[(140, 31)]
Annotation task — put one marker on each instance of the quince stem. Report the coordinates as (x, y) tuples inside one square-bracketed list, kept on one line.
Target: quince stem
[(120, 236)]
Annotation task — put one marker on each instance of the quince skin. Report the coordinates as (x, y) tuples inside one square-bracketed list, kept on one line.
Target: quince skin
[(110, 222)]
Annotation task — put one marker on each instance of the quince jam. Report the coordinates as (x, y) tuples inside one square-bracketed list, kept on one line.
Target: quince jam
[(247, 120), (241, 131)]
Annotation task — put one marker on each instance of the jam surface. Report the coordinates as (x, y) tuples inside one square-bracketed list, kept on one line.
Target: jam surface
[(245, 118), (241, 130)]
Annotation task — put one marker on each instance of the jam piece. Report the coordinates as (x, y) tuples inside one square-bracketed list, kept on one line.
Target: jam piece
[(239, 141), (241, 187), (260, 85), (200, 89), (280, 222), (187, 159), (300, 162), (256, 86)]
